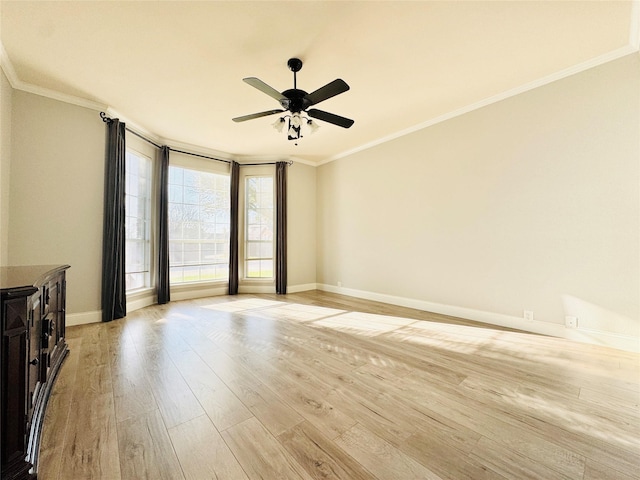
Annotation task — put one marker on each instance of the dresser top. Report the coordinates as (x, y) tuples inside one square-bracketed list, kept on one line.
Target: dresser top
[(27, 275)]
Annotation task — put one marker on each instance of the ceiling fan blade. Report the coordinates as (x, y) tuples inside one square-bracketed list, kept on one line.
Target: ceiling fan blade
[(330, 117), (263, 87), (331, 89), (256, 115)]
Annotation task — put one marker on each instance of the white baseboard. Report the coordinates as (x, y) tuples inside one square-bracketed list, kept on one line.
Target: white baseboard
[(618, 341), (83, 318), (138, 303), (302, 288)]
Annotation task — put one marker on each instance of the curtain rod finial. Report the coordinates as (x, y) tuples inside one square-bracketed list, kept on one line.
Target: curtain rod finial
[(105, 118)]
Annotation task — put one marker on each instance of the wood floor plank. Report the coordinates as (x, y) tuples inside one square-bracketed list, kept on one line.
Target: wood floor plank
[(132, 392), (202, 452), (504, 430), (175, 400), (304, 394), (597, 471), (91, 445), (378, 456), (53, 434), (221, 405), (624, 399), (145, 449), (274, 414), (511, 463), (447, 454), (319, 456), (260, 454)]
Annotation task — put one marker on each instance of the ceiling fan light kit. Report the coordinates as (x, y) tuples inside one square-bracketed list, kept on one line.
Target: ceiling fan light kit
[(297, 103)]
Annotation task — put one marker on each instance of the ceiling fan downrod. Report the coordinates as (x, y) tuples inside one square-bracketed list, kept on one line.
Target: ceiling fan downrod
[(295, 65)]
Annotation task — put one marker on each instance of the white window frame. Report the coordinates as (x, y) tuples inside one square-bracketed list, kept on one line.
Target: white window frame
[(204, 166), (248, 172), (148, 269)]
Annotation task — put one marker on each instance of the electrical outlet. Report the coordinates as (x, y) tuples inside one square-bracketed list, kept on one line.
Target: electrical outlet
[(339, 284), (571, 322), (528, 315)]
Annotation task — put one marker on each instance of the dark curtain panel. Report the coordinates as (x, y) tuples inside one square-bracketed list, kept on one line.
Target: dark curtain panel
[(114, 301), (233, 237), (281, 227), (162, 280)]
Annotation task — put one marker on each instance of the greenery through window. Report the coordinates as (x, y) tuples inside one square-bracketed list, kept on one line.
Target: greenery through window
[(198, 226), (258, 227)]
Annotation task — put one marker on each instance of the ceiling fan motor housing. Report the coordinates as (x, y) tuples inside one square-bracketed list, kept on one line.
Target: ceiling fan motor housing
[(296, 100)]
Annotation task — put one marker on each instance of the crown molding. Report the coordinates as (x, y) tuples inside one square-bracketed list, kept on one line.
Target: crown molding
[(17, 84), (567, 72), (62, 97), (295, 159), (133, 125), (7, 67)]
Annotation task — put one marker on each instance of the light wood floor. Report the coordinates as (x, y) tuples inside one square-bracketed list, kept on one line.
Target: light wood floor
[(321, 386)]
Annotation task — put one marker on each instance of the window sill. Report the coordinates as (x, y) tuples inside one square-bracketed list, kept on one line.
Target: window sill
[(197, 285), (139, 293), (258, 281)]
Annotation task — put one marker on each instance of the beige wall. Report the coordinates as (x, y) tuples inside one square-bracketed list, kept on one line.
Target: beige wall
[(6, 101), (301, 234), (57, 183), (531, 203)]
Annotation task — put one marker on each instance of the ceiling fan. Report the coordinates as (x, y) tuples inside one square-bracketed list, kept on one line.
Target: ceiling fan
[(297, 102)]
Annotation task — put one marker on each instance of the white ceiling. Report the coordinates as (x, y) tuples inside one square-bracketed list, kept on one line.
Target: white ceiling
[(175, 69)]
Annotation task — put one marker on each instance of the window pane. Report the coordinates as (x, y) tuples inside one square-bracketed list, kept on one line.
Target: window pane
[(176, 175), (198, 220), (137, 221), (253, 268), (135, 280), (259, 227), (208, 272), (176, 253), (175, 275), (266, 268), (222, 271)]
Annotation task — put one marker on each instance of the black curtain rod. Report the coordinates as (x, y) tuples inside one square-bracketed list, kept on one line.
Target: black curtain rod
[(142, 137), (107, 119), (290, 162), (201, 156)]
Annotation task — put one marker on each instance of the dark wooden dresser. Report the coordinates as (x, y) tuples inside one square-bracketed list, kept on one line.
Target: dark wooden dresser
[(33, 347)]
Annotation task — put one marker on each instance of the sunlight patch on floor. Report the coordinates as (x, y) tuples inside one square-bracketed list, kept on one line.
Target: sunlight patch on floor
[(457, 342), (587, 423), (242, 305), (297, 312), (301, 313), (365, 324)]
